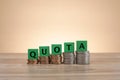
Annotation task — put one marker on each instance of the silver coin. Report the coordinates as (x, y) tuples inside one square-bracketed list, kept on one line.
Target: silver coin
[(68, 58), (83, 57)]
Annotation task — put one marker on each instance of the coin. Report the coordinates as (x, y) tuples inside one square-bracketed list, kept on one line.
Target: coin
[(32, 61), (44, 60), (82, 57), (68, 58), (55, 59)]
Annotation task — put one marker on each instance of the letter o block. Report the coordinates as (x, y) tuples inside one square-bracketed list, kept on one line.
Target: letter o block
[(56, 49)]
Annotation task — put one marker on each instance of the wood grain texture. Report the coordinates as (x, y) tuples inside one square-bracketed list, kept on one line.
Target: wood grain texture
[(102, 67)]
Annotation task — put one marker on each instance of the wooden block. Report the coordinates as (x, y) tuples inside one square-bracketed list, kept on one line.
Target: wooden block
[(56, 49), (44, 50), (81, 46), (32, 54), (68, 47)]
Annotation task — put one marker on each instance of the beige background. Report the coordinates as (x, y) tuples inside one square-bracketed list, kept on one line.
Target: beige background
[(32, 23)]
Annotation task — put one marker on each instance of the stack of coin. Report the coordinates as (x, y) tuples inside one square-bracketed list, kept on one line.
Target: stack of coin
[(44, 60), (68, 58), (56, 59), (30, 61), (82, 57)]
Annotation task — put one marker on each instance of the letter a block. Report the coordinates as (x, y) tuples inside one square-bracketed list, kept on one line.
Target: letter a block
[(44, 50), (69, 47), (56, 49), (81, 46), (32, 54)]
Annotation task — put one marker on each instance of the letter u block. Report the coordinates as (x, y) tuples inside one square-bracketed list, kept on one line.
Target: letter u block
[(44, 50)]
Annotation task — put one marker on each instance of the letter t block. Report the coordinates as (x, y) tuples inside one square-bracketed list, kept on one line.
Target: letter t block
[(69, 47)]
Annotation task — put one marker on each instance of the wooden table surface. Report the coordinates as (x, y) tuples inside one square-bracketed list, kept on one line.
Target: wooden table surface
[(103, 66)]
